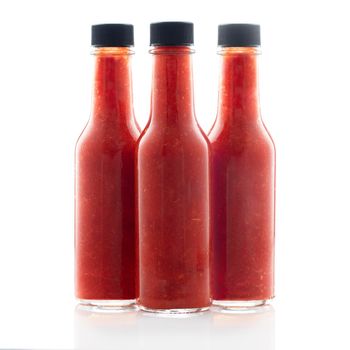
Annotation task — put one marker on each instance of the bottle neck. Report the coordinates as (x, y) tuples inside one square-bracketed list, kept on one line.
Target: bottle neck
[(112, 91), (239, 86), (172, 100)]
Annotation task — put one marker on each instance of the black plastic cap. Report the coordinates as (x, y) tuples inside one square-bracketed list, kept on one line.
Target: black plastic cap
[(172, 34), (112, 35), (239, 35)]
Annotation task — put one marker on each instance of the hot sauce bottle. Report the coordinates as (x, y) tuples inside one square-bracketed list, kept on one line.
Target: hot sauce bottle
[(173, 183), (243, 178), (105, 238)]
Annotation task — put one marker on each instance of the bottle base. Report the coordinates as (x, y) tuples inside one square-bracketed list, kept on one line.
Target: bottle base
[(239, 305), (174, 311), (108, 305)]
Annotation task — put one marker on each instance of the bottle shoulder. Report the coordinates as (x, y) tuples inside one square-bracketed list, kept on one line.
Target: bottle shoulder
[(173, 139), (119, 131), (240, 136), (107, 137)]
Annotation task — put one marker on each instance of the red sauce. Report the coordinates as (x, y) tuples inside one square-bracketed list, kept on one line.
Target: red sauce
[(173, 191), (243, 185), (104, 193)]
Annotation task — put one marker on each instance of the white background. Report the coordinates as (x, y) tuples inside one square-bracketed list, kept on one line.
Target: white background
[(45, 91)]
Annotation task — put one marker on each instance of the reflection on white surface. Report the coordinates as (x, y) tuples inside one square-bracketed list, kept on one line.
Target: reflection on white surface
[(245, 331), (104, 330), (209, 330), (174, 332)]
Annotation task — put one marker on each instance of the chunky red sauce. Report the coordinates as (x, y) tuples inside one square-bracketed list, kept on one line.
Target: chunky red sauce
[(243, 182), (104, 194), (173, 191)]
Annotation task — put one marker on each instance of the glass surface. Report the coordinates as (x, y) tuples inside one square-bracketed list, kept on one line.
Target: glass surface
[(105, 233), (242, 185), (174, 311), (173, 191), (239, 305), (107, 305)]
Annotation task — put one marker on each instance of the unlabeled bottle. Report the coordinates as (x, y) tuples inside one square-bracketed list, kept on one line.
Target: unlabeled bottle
[(105, 240), (173, 183), (243, 178)]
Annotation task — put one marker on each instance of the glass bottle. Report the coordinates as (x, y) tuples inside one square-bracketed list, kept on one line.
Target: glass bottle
[(173, 183), (105, 238), (243, 178)]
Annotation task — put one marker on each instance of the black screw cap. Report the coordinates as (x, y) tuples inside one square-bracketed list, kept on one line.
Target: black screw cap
[(239, 35), (112, 35), (172, 34)]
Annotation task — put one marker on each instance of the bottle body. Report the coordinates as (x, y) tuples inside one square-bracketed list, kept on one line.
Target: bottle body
[(173, 193), (105, 238), (243, 188)]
